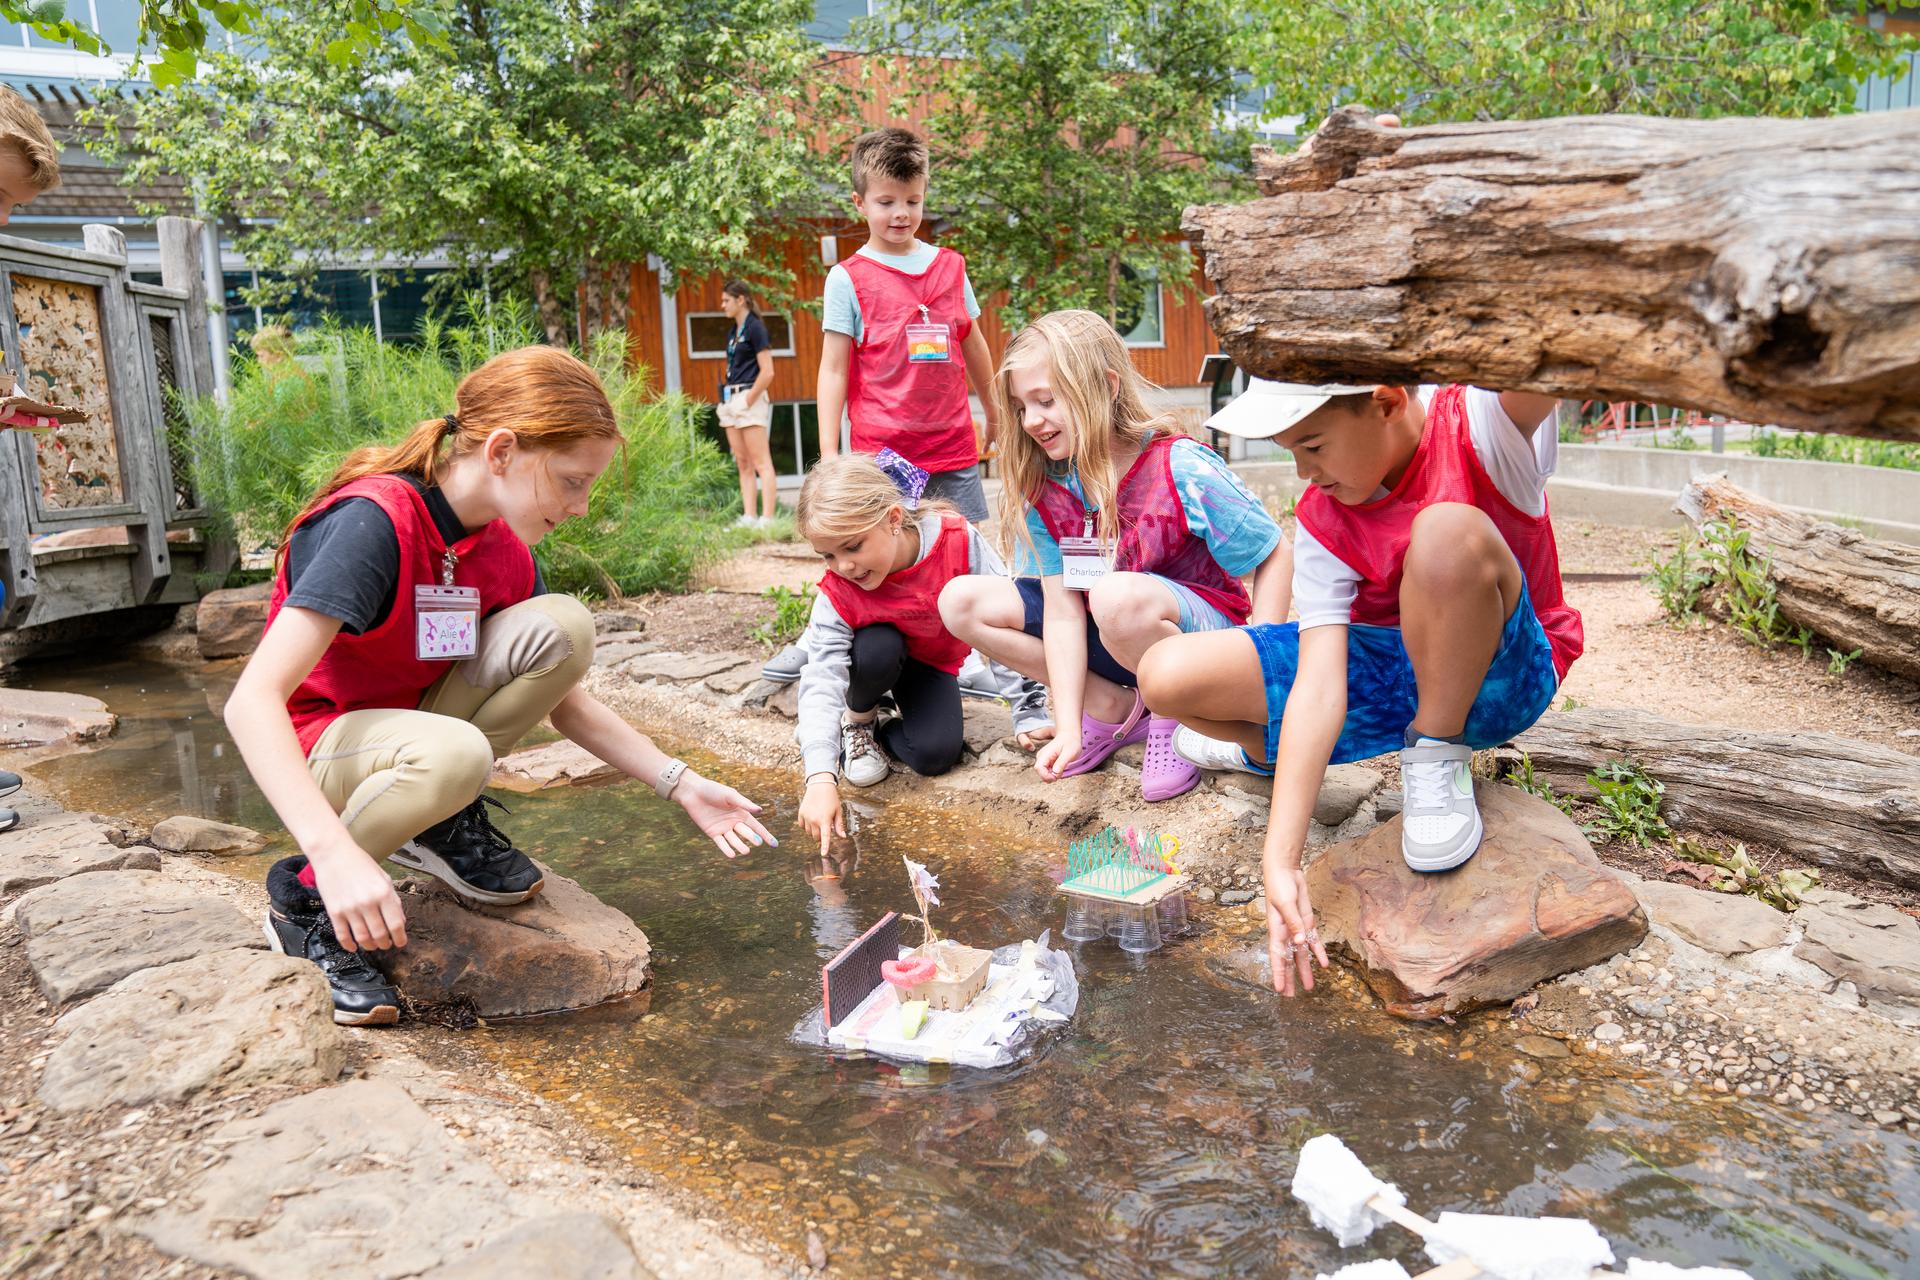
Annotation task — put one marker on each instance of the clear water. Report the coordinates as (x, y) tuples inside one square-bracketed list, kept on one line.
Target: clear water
[(1154, 1137)]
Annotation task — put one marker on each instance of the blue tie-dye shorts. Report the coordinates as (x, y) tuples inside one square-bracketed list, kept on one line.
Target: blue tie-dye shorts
[(1382, 697)]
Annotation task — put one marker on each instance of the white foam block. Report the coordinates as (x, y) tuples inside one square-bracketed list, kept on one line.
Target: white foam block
[(1521, 1248), (1648, 1269), (1378, 1269), (1335, 1187)]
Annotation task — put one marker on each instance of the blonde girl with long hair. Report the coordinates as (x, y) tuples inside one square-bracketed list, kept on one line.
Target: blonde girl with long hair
[(410, 642), (1134, 533), (876, 630)]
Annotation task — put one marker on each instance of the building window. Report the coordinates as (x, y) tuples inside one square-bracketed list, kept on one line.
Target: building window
[(1142, 320), (707, 333)]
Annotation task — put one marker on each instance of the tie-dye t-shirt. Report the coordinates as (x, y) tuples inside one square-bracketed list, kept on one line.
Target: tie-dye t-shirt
[(1220, 512)]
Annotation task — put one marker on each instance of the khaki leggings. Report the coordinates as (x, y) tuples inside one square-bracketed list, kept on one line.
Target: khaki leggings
[(391, 773)]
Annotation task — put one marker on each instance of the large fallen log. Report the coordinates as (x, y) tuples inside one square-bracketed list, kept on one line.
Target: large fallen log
[(1766, 269), (1836, 802), (1857, 592)]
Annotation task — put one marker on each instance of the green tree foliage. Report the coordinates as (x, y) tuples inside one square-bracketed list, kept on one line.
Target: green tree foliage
[(566, 140), (1520, 59), (1067, 137)]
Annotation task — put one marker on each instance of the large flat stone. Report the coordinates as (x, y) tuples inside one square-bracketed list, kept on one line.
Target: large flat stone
[(1342, 791), (66, 844), (677, 667), (354, 1180), (615, 649), (1868, 944), (1730, 924), (225, 1020), (1532, 904), (564, 949), (734, 679), (229, 623), (556, 764), (86, 932), (576, 1246), (188, 834), (39, 717)]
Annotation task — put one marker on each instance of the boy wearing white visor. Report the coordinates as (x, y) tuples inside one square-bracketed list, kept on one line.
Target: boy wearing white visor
[(1431, 620)]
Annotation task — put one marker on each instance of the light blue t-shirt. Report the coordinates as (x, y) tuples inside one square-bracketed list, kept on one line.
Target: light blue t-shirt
[(1220, 512), (840, 304)]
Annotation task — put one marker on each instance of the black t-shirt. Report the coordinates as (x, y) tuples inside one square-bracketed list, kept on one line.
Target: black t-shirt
[(744, 345), (345, 561)]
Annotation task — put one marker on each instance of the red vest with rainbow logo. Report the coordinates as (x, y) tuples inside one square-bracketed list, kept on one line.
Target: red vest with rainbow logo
[(910, 599), (378, 668), (907, 396), (1154, 534), (1371, 538)]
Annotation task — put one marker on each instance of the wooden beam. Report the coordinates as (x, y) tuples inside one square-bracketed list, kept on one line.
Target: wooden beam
[(1764, 269)]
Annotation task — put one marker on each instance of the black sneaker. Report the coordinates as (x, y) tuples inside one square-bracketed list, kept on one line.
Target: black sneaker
[(298, 925), (472, 856)]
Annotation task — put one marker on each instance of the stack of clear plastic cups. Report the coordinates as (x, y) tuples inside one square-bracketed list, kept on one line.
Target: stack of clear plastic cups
[(1140, 929), (1173, 914), (1086, 920)]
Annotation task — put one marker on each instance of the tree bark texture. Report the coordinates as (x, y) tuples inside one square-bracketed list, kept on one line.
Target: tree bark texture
[(1764, 269), (1835, 802), (1857, 592)]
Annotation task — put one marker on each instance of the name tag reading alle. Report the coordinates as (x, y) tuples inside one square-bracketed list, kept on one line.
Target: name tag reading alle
[(1083, 562), (446, 622), (928, 343)]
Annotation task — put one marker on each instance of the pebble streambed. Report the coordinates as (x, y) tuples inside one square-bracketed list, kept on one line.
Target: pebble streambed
[(1155, 1136)]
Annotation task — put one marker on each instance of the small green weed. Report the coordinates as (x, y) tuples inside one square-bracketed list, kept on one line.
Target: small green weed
[(1838, 662), (1521, 775), (1679, 438), (791, 610), (1679, 581), (1720, 563), (1781, 890), (1571, 703), (1629, 802)]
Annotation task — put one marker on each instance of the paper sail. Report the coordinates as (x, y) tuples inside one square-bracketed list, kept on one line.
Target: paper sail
[(924, 882)]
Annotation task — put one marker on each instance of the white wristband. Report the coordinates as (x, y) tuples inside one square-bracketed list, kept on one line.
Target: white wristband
[(670, 778)]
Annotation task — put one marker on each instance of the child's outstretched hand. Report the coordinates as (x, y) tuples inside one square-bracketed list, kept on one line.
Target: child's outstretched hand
[(1293, 941), (723, 813), (1055, 756), (821, 814)]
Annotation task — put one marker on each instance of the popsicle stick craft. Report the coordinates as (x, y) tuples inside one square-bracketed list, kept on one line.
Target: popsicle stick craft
[(1121, 885)]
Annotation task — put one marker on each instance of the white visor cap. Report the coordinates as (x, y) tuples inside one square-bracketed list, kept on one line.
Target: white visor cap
[(1266, 408)]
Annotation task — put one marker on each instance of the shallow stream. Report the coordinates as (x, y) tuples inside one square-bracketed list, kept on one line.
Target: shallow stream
[(1155, 1136)]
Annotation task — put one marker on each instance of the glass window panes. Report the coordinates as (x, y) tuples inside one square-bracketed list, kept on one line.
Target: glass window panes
[(707, 333), (118, 23), (1139, 318), (403, 302)]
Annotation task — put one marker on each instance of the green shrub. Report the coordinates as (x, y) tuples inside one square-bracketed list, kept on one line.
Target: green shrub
[(656, 515), (1629, 801), (1816, 446)]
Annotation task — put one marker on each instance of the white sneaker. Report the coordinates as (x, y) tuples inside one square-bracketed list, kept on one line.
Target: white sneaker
[(745, 522), (1440, 824), (862, 762), (1202, 752)]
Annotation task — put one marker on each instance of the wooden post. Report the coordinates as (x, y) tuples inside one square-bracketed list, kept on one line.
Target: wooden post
[(181, 268), (141, 437), (1764, 269)]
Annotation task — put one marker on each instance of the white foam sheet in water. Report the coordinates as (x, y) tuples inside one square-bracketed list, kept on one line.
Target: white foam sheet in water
[(1648, 1269), (1379, 1269), (1335, 1187), (1521, 1248)]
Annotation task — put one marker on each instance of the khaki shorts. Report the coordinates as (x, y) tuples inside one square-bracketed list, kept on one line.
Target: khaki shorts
[(735, 413)]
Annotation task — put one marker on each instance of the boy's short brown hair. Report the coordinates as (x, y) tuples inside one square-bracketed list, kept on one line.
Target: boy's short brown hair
[(900, 154), (22, 128)]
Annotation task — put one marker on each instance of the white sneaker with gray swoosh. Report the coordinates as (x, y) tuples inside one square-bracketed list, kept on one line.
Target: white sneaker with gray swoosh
[(1440, 824)]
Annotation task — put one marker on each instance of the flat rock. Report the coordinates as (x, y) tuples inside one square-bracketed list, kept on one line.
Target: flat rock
[(557, 764), (86, 932), (615, 649), (734, 679), (577, 1246), (187, 834), (1870, 945), (1344, 789), (1728, 923), (1542, 1047), (225, 1020), (564, 949), (41, 717), (353, 1180), (677, 666), (1532, 904), (786, 701), (228, 623), (66, 844)]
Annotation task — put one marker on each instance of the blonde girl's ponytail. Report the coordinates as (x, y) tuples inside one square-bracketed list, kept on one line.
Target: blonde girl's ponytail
[(546, 397)]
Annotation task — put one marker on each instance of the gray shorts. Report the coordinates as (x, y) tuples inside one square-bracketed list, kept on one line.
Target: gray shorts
[(962, 489)]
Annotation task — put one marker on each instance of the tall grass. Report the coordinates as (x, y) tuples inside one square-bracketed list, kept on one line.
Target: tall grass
[(658, 513)]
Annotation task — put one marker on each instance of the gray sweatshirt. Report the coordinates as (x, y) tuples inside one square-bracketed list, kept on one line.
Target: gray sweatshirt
[(828, 641)]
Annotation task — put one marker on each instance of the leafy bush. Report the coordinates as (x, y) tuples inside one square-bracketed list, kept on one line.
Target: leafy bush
[(656, 515), (1823, 447), (1719, 561), (1629, 800)]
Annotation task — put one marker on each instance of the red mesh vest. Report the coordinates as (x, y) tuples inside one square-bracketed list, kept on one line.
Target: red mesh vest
[(910, 599), (377, 668), (916, 408), (1154, 537), (1371, 538)]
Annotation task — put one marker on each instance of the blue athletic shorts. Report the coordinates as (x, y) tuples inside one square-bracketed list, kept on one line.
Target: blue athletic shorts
[(1382, 697), (1196, 614)]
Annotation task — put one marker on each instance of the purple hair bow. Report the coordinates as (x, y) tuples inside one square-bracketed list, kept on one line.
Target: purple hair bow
[(910, 480)]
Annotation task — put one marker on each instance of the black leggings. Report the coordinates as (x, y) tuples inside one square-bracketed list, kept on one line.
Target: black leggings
[(928, 736)]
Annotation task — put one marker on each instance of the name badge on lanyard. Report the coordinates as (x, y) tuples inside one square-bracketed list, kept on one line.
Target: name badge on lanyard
[(446, 618), (1083, 560), (928, 342)]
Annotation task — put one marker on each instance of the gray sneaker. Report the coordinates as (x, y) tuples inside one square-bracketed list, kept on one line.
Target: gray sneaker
[(1440, 825), (785, 666)]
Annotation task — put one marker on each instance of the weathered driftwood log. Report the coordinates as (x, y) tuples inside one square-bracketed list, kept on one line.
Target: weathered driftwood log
[(1857, 592), (1766, 269), (1833, 801)]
